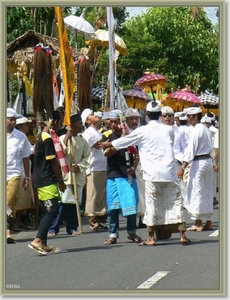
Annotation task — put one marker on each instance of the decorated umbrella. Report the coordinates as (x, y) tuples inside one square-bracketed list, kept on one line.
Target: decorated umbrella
[(180, 99), (154, 81), (102, 39), (80, 25), (209, 99), (210, 102), (136, 98), (99, 91)]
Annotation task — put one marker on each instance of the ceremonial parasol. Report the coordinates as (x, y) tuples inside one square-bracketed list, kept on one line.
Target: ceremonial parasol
[(99, 91), (180, 99), (152, 80), (102, 38), (80, 25), (209, 101), (136, 98)]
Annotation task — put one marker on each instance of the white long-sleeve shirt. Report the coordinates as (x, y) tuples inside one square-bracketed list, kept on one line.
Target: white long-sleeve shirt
[(155, 146), (181, 141)]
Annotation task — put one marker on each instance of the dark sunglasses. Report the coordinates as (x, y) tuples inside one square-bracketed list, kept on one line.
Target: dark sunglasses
[(164, 116)]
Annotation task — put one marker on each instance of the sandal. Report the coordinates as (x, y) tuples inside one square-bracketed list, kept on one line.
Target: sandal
[(135, 238), (186, 242), (38, 249), (146, 243), (50, 249), (110, 241)]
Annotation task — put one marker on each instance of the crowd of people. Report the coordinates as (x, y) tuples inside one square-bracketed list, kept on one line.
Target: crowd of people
[(150, 171)]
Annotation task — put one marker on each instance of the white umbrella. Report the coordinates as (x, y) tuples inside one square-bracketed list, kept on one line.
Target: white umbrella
[(80, 25)]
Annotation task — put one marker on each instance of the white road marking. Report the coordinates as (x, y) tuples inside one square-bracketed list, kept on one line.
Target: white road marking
[(215, 233), (152, 280)]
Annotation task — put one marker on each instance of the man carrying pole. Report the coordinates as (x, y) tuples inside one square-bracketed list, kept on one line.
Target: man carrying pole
[(68, 74), (77, 152)]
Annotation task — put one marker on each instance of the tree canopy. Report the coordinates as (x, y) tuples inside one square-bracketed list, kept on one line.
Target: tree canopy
[(178, 42)]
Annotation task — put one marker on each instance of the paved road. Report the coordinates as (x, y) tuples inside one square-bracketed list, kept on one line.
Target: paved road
[(87, 266)]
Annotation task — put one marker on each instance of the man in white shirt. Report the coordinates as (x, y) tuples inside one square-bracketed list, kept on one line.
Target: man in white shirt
[(210, 122), (18, 163), (96, 174), (200, 189), (180, 144), (162, 191)]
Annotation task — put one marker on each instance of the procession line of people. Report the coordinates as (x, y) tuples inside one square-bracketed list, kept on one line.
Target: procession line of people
[(121, 164)]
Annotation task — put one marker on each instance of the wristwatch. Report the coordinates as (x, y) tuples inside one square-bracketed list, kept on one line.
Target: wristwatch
[(182, 168), (60, 180), (27, 178)]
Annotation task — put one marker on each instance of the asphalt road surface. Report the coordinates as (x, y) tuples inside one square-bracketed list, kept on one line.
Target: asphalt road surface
[(85, 266)]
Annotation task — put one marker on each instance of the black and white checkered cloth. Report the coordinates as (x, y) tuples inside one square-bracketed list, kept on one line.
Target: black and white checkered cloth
[(209, 98), (99, 91)]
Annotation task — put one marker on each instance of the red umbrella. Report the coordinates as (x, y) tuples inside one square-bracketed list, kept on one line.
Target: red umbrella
[(181, 99), (184, 96), (151, 80)]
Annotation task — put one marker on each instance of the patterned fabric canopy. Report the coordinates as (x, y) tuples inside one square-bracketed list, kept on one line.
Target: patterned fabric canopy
[(99, 91), (209, 98)]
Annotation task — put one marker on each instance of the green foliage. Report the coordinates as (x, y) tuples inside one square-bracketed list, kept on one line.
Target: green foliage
[(21, 19), (174, 43)]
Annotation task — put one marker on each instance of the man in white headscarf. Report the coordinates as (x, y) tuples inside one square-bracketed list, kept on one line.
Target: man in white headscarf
[(95, 208), (200, 190)]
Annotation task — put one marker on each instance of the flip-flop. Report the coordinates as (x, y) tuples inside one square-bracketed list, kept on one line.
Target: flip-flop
[(38, 249), (110, 241), (195, 228), (134, 238), (53, 250), (144, 243), (186, 243)]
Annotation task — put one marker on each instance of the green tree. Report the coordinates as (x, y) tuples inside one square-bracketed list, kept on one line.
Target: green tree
[(40, 19), (177, 42)]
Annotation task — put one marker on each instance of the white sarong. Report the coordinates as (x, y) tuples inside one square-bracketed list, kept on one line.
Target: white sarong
[(163, 203), (200, 190)]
